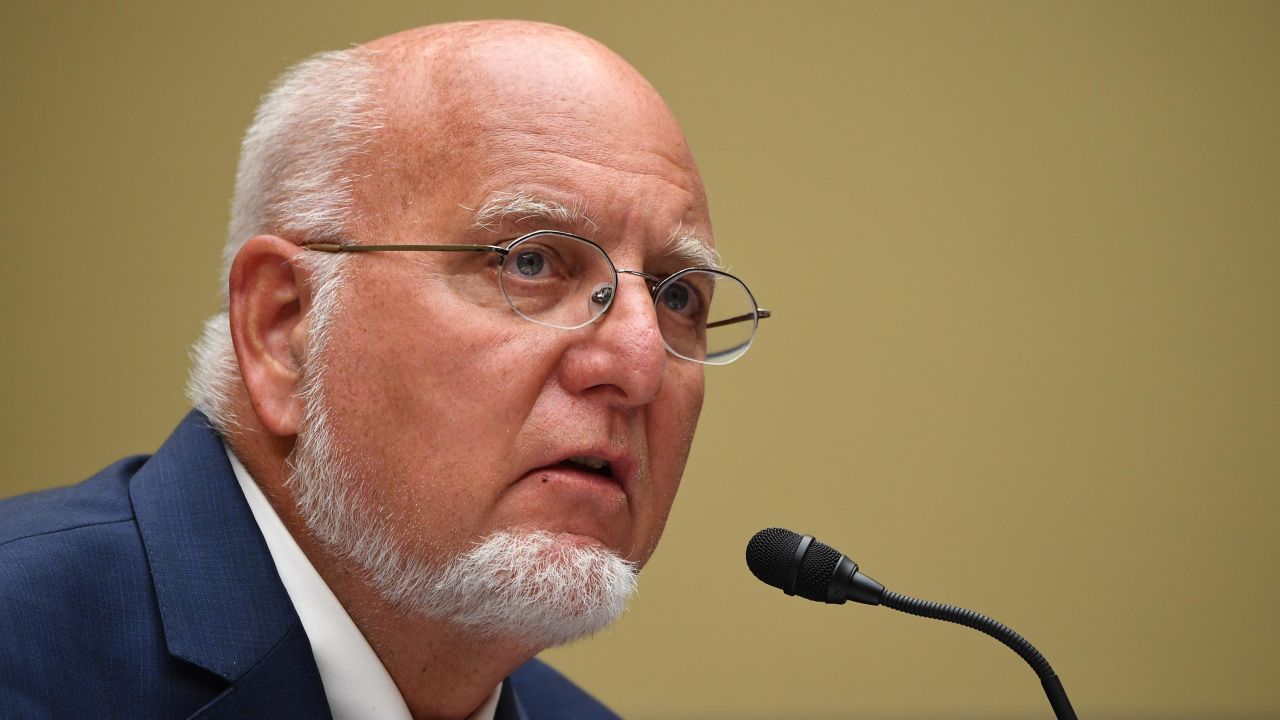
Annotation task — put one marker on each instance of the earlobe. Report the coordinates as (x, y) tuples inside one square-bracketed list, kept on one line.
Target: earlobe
[(269, 302)]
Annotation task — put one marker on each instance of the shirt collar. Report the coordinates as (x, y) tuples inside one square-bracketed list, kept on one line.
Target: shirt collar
[(356, 683)]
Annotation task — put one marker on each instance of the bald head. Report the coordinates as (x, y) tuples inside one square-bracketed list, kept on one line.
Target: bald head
[(473, 59), (494, 105)]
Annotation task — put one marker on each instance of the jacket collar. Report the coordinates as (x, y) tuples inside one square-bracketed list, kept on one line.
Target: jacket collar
[(222, 605), (221, 602)]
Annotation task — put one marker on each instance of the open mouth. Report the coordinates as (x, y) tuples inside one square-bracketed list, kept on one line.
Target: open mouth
[(589, 464)]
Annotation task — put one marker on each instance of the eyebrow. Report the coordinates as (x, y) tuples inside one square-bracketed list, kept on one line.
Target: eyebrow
[(520, 206), (684, 245), (690, 248)]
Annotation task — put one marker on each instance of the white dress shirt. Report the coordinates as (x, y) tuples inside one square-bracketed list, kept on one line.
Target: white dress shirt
[(356, 684)]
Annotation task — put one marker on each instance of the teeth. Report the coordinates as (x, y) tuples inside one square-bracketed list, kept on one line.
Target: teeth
[(594, 463)]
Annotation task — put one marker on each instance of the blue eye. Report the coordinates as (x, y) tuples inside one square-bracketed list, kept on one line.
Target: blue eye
[(530, 263), (680, 299)]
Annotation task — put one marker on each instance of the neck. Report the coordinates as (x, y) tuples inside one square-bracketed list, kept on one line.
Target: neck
[(441, 671)]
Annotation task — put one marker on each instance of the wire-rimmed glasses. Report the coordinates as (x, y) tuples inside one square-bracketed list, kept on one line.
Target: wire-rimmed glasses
[(565, 281)]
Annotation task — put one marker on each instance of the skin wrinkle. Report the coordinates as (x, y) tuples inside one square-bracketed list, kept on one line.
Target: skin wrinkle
[(603, 162), (631, 173), (682, 245), (578, 131), (692, 191)]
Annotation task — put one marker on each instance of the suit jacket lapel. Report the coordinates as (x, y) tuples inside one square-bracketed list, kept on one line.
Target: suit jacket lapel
[(221, 602), (276, 687)]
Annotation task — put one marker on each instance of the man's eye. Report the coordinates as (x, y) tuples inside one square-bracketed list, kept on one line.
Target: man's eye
[(530, 263), (681, 299)]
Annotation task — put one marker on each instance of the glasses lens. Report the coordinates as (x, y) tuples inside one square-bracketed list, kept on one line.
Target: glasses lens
[(557, 279), (706, 316)]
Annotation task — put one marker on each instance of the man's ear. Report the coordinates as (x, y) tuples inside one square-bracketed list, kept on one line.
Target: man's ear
[(270, 297)]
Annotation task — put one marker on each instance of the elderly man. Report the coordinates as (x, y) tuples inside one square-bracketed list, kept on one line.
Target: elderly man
[(470, 293)]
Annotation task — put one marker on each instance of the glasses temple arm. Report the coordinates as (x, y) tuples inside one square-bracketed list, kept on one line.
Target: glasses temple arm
[(336, 248), (759, 313)]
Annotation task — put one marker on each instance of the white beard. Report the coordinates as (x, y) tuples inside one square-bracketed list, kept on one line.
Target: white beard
[(539, 587), (533, 587)]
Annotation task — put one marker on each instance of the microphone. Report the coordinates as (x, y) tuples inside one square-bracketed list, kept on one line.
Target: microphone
[(800, 565)]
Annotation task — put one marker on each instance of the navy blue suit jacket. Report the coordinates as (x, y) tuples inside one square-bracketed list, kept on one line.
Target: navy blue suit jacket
[(147, 591)]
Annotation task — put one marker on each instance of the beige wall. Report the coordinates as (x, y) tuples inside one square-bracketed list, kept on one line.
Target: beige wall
[(1023, 258)]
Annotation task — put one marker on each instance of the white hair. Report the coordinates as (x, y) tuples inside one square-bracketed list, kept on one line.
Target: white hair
[(295, 179), (524, 206), (535, 586)]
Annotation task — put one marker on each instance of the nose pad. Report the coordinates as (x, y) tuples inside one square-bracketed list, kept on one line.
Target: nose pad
[(602, 296)]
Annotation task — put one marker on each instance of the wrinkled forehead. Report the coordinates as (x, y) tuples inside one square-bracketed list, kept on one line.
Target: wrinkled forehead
[(557, 117)]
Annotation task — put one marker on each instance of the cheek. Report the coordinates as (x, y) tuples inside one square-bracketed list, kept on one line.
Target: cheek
[(670, 435), (688, 391), (426, 428), (424, 357), (445, 379)]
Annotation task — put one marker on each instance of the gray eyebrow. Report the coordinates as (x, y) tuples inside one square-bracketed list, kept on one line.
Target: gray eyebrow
[(692, 249), (523, 206), (684, 245)]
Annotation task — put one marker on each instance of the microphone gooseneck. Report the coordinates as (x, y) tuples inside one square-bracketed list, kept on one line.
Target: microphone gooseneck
[(977, 621), (801, 565)]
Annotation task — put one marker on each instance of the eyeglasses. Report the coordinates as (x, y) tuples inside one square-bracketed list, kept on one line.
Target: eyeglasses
[(564, 281)]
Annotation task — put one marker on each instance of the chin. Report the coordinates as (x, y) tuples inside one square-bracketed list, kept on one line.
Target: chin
[(542, 588)]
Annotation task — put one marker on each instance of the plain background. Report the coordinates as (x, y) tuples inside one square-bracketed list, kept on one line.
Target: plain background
[(1023, 259)]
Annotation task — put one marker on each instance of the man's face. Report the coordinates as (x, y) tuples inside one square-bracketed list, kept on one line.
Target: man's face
[(460, 417)]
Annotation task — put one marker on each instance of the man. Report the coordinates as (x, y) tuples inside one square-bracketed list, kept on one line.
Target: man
[(440, 422)]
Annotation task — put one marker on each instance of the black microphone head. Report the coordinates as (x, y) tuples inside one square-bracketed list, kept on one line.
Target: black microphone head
[(771, 555)]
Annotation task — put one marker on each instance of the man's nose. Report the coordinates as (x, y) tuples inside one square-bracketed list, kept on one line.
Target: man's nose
[(621, 353)]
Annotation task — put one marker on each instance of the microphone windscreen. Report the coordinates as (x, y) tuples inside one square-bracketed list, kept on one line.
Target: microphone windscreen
[(769, 555), (816, 571)]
